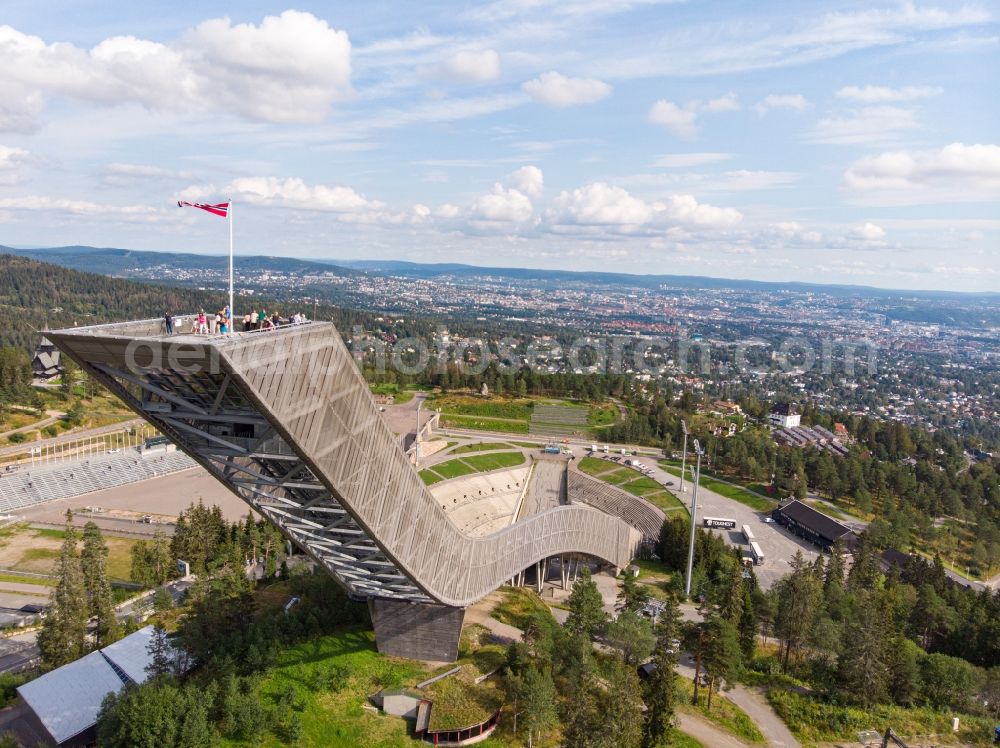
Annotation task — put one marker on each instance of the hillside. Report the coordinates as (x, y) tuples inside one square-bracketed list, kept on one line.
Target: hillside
[(36, 295)]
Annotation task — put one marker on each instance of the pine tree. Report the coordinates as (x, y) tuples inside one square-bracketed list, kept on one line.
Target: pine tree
[(63, 637), (100, 601), (537, 696), (721, 656), (661, 688), (586, 616), (160, 652)]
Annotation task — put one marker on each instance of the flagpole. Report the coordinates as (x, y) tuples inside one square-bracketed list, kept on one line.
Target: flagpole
[(232, 311)]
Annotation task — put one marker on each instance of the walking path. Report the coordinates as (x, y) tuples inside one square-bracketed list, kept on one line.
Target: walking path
[(706, 733), (760, 712)]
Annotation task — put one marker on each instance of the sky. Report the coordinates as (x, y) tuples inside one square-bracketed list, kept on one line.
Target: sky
[(851, 142)]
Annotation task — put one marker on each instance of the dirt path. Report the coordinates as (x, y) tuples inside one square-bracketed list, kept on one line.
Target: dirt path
[(755, 705), (706, 733)]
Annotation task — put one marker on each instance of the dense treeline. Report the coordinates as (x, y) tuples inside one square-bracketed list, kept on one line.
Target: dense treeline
[(866, 637)]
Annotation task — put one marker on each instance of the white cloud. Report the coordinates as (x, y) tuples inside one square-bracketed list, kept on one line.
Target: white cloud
[(965, 170), (502, 205), (743, 179), (868, 232), (119, 174), (294, 194), (884, 95), (683, 121), (12, 161), (529, 180), (448, 211), (795, 102), (875, 124), (687, 160), (679, 121), (475, 66), (290, 68), (557, 90), (602, 205), (62, 207)]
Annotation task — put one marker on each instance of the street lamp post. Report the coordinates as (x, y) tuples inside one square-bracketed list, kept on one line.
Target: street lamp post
[(684, 454), (694, 516)]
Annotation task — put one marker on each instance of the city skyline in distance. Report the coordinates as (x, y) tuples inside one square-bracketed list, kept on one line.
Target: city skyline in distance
[(849, 144)]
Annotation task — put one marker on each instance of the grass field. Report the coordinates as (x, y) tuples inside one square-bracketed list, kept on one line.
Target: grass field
[(469, 464), (744, 496), (517, 605), (453, 469), (25, 549), (483, 463), (479, 447), (476, 423), (504, 409), (594, 466), (339, 716)]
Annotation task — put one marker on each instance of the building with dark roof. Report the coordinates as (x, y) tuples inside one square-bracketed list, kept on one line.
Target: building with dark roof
[(45, 363), (813, 525), (784, 415)]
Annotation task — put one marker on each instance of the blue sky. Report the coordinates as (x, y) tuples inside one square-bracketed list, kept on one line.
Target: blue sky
[(840, 142)]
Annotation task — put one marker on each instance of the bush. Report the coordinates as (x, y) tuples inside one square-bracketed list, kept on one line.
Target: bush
[(17, 437)]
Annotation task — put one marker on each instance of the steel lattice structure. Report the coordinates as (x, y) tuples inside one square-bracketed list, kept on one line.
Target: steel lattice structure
[(285, 419)]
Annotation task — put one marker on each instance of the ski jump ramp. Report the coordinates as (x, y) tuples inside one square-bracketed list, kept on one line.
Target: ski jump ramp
[(284, 418)]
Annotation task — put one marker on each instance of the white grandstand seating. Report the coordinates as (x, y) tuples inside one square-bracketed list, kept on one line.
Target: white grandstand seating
[(480, 505), (34, 484), (637, 512)]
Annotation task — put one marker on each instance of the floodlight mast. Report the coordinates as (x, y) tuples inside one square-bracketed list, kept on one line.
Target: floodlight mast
[(694, 516), (684, 454)]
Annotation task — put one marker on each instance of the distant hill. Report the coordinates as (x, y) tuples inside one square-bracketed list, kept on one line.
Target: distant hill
[(117, 262), (139, 263), (434, 270)]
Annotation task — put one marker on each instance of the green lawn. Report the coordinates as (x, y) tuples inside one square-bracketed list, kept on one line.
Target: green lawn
[(484, 463), (642, 486), (475, 423), (429, 477), (517, 606), (595, 466), (453, 469), (479, 447), (742, 495), (665, 501), (337, 717), (513, 410)]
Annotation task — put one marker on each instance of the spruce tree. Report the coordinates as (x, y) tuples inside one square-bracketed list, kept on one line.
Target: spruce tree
[(586, 616), (63, 637), (661, 688), (100, 601)]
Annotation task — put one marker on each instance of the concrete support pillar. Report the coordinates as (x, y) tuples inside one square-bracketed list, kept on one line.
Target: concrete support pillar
[(418, 631), (538, 576)]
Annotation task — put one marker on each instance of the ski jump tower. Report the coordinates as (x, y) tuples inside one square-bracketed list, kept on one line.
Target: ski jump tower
[(286, 421)]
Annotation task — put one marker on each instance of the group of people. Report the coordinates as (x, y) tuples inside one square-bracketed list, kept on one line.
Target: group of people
[(222, 322), (261, 321), (204, 324)]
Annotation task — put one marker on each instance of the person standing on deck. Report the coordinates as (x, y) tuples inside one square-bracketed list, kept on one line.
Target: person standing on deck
[(168, 322)]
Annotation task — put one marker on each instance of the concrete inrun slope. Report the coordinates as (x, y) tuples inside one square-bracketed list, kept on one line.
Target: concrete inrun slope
[(285, 419)]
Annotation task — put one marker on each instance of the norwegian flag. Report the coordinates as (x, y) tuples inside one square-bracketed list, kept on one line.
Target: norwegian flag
[(222, 209)]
